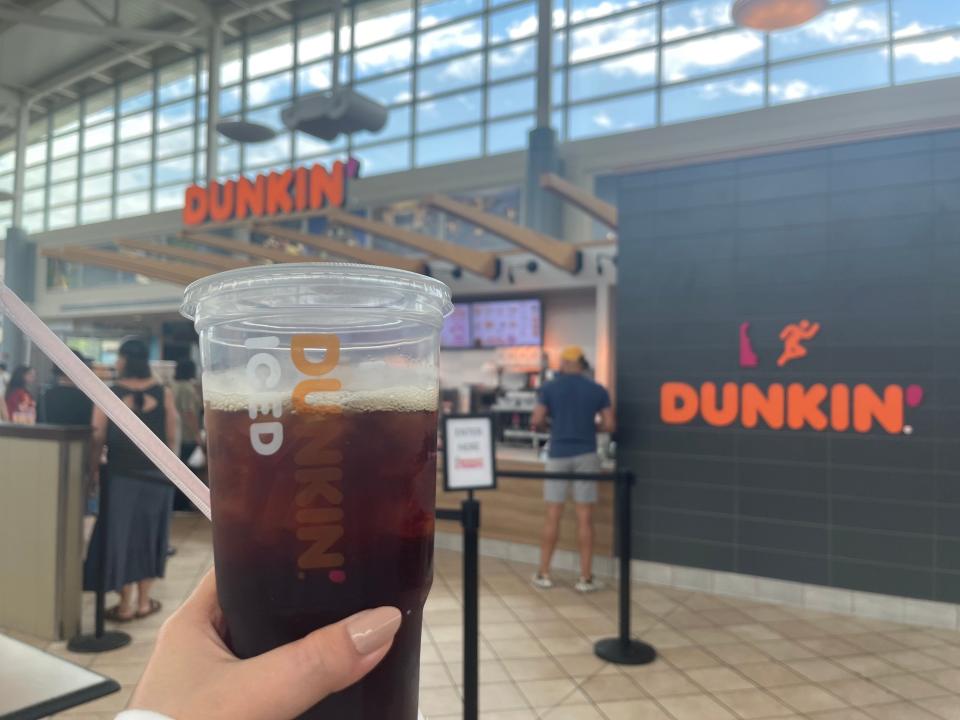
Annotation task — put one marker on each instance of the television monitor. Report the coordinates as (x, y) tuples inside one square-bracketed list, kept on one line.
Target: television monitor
[(456, 328), (506, 323)]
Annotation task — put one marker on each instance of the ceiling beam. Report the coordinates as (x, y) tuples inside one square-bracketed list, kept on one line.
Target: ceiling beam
[(196, 10), (216, 261), (37, 6), (341, 249), (589, 203), (481, 262), (55, 22), (88, 4), (176, 273), (563, 255), (257, 251)]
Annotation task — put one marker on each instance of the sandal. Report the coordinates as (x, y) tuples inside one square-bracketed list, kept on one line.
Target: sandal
[(155, 607), (113, 615)]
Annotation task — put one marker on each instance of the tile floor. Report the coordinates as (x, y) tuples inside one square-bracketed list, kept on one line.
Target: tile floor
[(720, 658)]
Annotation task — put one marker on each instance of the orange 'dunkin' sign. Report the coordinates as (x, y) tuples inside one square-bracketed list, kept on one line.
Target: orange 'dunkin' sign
[(270, 194)]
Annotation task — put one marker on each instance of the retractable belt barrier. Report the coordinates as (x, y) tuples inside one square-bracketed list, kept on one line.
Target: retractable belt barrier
[(622, 649)]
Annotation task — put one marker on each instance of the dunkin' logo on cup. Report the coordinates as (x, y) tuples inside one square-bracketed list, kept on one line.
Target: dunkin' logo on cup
[(318, 474)]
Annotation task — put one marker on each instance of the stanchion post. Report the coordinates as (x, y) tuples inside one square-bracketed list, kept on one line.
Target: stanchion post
[(623, 649), (101, 640), (471, 607)]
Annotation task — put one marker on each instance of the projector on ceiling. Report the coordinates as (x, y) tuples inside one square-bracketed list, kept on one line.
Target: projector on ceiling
[(328, 114)]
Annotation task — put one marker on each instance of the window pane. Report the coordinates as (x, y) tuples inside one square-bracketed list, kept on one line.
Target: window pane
[(455, 110), (181, 113), (925, 59), (270, 52), (271, 89), (398, 123), (611, 116), (175, 143), (33, 200), (95, 211), (136, 95), (66, 119), (133, 178), (133, 152), (168, 198), (514, 23), (33, 222), (63, 193), (582, 10), (63, 217), (314, 77), (378, 21), (98, 161), (380, 159), (629, 72), (450, 40), (383, 58), (98, 136), (269, 116), (519, 59), (228, 160), (713, 97), (133, 204), (231, 69), (136, 125), (448, 147), (444, 77), (316, 38), (177, 81), (32, 177), (37, 152), (712, 54), (614, 36), (512, 97), (915, 17), (175, 170), (388, 90), (265, 153), (97, 186), (692, 17), (434, 12), (308, 146), (99, 107), (828, 76), (507, 135), (7, 161), (840, 27), (66, 145), (229, 101), (63, 169)]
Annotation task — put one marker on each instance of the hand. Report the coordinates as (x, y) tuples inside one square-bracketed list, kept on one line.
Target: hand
[(192, 674)]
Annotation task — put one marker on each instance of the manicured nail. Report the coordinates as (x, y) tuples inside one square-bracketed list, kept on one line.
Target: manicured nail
[(372, 629)]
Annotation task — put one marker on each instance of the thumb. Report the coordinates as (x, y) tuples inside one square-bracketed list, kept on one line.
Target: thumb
[(297, 676)]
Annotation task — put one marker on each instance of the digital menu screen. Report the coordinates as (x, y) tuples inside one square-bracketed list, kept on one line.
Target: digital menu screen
[(456, 328), (504, 323)]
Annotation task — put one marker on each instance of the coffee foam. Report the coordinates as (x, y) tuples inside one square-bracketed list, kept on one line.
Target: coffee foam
[(411, 390)]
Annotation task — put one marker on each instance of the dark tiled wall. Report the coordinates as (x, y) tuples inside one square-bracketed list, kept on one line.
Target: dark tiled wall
[(865, 239)]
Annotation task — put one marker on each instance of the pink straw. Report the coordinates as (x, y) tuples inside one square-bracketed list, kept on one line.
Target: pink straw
[(84, 378)]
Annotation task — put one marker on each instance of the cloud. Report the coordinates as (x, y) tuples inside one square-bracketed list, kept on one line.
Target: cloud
[(711, 53), (837, 28), (701, 17), (642, 65), (914, 28), (606, 7), (451, 39), (942, 51), (612, 37), (601, 119), (794, 90)]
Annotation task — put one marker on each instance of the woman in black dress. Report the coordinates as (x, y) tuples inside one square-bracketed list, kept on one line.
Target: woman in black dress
[(140, 497)]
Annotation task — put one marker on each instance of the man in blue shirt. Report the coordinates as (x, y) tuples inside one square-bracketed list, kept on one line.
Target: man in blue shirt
[(572, 403)]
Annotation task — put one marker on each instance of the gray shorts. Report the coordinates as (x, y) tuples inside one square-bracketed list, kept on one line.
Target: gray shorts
[(584, 491)]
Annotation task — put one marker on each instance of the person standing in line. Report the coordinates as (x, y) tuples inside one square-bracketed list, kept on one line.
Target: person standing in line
[(140, 496), (64, 403), (4, 378), (21, 406), (572, 402)]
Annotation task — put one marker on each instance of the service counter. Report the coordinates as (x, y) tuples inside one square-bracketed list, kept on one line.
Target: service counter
[(514, 512), (43, 471)]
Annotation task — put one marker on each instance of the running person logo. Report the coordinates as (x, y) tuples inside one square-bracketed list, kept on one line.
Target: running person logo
[(818, 406)]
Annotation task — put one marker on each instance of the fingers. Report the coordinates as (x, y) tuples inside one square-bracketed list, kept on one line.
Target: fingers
[(322, 663)]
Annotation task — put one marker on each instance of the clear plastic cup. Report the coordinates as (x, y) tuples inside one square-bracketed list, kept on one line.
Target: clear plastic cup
[(320, 387)]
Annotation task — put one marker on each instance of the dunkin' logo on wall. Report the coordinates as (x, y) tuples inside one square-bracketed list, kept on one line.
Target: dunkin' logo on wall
[(794, 406), (270, 194)]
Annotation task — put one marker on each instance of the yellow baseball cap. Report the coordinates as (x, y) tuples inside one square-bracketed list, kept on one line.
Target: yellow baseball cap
[(572, 353)]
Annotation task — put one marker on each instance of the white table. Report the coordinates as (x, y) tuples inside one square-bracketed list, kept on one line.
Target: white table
[(35, 684)]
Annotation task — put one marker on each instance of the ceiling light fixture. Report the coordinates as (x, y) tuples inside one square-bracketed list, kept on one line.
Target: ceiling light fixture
[(245, 131), (770, 15)]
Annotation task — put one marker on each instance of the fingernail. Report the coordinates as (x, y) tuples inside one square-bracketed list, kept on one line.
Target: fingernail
[(372, 629)]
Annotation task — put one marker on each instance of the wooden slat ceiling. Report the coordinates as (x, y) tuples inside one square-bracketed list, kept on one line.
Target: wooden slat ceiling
[(257, 251), (173, 272), (590, 204), (218, 262)]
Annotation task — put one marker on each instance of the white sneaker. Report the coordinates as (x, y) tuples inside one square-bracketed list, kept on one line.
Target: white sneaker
[(542, 581), (588, 585)]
